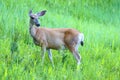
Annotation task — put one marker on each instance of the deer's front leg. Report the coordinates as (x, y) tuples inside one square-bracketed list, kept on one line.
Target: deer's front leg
[(50, 57), (43, 50)]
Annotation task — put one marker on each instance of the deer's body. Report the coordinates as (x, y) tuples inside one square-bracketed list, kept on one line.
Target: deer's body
[(54, 38), (57, 38)]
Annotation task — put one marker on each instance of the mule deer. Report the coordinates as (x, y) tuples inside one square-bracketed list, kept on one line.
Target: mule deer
[(49, 38)]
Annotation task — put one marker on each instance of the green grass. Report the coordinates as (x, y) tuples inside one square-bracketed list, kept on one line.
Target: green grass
[(99, 20)]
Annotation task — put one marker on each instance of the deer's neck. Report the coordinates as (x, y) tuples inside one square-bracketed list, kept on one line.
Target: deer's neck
[(32, 29), (31, 23)]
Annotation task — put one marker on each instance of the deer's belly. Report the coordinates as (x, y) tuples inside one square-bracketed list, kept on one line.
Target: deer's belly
[(56, 44), (56, 47)]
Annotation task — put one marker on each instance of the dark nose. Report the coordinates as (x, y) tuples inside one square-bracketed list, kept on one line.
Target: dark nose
[(37, 25)]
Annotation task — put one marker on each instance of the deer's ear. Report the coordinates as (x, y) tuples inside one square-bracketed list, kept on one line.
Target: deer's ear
[(30, 12), (41, 13)]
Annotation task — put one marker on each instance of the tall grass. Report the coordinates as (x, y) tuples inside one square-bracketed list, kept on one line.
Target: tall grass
[(97, 19)]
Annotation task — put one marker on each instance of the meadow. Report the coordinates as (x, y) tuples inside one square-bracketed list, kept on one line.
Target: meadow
[(99, 20)]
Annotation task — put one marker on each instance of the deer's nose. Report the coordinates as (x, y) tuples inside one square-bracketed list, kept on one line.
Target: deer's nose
[(37, 25)]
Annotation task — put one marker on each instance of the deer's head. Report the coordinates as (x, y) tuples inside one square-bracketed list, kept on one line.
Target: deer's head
[(34, 17)]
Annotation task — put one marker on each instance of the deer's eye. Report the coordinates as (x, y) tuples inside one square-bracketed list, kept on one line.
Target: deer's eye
[(32, 17)]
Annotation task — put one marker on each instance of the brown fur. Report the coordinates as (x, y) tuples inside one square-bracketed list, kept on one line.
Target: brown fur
[(55, 38)]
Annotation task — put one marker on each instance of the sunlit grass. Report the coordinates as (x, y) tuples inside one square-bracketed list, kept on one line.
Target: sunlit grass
[(20, 59)]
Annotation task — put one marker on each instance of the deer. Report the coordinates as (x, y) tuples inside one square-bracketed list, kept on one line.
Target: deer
[(54, 38)]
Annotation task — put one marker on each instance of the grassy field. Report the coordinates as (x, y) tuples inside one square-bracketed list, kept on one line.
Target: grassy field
[(99, 20)]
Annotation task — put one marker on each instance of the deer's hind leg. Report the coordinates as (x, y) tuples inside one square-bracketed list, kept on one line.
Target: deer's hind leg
[(74, 50)]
